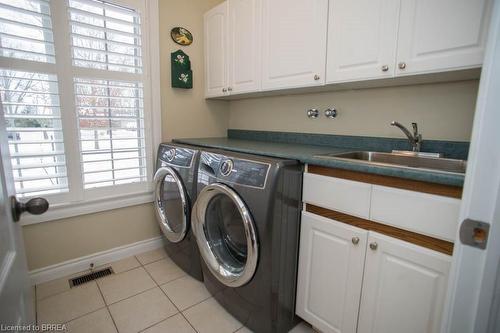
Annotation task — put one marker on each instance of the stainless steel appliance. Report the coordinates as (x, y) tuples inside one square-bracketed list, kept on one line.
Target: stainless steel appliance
[(175, 191), (246, 220)]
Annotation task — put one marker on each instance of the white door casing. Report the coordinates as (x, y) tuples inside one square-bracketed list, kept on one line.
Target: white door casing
[(473, 301)]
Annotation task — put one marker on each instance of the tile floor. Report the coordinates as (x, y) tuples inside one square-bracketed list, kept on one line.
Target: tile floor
[(147, 293)]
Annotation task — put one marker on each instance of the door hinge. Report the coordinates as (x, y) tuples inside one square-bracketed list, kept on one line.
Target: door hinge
[(474, 233)]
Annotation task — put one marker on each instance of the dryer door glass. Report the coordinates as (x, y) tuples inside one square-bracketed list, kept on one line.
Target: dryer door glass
[(226, 235), (171, 205)]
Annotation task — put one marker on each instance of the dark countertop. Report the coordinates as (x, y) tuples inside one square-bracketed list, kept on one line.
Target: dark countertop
[(305, 153)]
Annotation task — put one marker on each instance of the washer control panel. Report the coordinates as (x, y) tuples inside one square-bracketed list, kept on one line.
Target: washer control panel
[(182, 157), (226, 167), (243, 172)]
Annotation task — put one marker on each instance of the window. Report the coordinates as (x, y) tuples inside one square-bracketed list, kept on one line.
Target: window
[(33, 119), (111, 127), (75, 86), (26, 30)]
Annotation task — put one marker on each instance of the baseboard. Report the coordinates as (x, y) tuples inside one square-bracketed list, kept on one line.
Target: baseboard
[(76, 265)]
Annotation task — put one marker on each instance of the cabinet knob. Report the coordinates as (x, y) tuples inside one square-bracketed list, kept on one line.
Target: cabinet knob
[(224, 90), (385, 68), (316, 77), (355, 240), (402, 65), (229, 89), (373, 246)]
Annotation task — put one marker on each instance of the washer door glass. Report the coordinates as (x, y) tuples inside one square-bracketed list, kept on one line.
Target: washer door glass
[(226, 235), (171, 204)]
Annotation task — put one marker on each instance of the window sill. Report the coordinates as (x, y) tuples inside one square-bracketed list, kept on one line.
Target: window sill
[(61, 211)]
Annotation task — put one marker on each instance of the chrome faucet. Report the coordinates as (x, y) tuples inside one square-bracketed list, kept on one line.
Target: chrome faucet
[(415, 139)]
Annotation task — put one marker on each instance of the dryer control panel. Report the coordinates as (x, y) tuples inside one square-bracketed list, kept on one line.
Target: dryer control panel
[(235, 170), (181, 157)]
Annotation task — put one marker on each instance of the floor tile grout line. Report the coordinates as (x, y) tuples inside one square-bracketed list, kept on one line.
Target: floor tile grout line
[(179, 310), (123, 299), (165, 293), (193, 305), (161, 321), (83, 315), (107, 307), (189, 307), (166, 256)]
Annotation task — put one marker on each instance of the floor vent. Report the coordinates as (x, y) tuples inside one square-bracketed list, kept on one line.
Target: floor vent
[(90, 277)]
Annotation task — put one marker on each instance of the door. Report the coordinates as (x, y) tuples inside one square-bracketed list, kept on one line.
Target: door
[(331, 260), (226, 235), (216, 76), (171, 203), (362, 37), (439, 35), (16, 295), (404, 287), (293, 43), (244, 56), (474, 292)]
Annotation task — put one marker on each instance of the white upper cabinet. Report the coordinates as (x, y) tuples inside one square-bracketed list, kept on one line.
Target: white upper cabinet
[(244, 57), (293, 43), (266, 45), (439, 35), (216, 75), (403, 287), (362, 36)]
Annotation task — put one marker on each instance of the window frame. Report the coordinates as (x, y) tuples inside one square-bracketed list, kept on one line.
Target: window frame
[(78, 200)]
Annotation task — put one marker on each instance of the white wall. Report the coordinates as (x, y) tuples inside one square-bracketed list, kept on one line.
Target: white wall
[(443, 111), (186, 113)]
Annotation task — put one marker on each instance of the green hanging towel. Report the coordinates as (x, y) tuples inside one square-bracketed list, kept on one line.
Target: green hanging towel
[(182, 75)]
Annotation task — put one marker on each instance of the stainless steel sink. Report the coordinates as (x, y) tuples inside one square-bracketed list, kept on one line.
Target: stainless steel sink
[(402, 160)]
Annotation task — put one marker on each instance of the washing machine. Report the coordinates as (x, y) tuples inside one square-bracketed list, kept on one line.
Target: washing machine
[(246, 221), (175, 191)]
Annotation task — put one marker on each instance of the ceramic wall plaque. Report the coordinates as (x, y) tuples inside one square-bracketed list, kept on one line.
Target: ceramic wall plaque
[(181, 36)]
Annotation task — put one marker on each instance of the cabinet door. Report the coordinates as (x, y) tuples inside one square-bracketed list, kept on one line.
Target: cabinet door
[(403, 287), (215, 24), (439, 35), (244, 58), (294, 43), (331, 260), (362, 36)]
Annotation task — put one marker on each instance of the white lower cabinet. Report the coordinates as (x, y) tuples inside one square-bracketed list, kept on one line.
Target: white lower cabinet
[(331, 261), (354, 280), (403, 287)]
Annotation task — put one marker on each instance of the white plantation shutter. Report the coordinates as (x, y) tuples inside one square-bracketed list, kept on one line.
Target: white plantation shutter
[(26, 30), (111, 125), (105, 36), (33, 115), (75, 85), (110, 110)]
